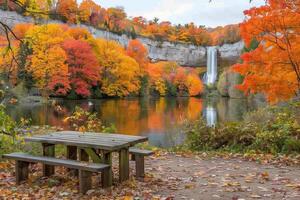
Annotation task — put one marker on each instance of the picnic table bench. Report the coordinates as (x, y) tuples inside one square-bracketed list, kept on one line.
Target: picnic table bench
[(95, 147)]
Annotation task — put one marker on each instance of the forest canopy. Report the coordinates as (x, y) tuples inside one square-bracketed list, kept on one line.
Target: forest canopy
[(63, 61)]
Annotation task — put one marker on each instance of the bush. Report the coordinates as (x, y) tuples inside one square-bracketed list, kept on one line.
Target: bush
[(10, 132), (83, 121), (270, 130)]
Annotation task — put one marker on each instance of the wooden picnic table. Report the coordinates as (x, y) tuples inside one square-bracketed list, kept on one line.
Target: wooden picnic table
[(97, 146)]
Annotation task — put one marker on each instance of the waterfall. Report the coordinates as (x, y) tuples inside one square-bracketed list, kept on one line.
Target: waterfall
[(212, 66)]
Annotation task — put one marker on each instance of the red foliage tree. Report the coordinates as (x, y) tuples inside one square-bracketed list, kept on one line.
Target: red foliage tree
[(83, 66)]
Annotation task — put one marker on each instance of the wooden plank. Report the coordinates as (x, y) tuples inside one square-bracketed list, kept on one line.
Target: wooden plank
[(79, 141), (74, 164), (72, 155), (140, 151), (124, 164), (99, 139), (125, 138), (107, 177), (90, 139), (21, 168), (85, 181), (139, 165), (49, 151), (107, 135), (79, 144), (97, 134)]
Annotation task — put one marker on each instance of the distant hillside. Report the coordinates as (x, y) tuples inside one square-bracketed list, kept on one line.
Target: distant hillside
[(183, 54), (115, 20)]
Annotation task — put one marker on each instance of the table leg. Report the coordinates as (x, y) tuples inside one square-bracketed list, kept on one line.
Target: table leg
[(124, 164), (72, 155), (48, 150), (107, 178)]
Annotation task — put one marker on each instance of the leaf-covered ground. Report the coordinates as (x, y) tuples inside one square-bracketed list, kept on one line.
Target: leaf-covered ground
[(169, 176)]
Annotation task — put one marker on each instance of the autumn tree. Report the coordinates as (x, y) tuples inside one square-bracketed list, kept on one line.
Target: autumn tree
[(8, 66), (194, 84), (86, 9), (20, 30), (67, 9), (156, 74), (115, 18), (50, 71), (48, 60), (79, 33), (272, 68), (120, 73), (37, 8), (138, 51), (180, 80), (83, 66)]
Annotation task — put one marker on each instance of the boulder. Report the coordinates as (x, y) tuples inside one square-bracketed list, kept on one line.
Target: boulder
[(227, 85)]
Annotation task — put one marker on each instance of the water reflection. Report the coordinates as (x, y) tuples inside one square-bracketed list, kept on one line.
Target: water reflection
[(210, 114), (160, 119)]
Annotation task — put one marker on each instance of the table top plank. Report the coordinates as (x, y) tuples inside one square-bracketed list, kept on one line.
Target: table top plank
[(100, 138), (103, 141), (114, 135)]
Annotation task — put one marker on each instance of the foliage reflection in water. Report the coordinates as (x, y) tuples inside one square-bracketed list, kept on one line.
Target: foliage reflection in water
[(160, 119)]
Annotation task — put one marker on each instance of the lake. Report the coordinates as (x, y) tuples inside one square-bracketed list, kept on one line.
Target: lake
[(160, 119)]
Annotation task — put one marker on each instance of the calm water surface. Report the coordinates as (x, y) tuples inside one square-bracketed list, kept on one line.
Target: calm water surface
[(160, 119)]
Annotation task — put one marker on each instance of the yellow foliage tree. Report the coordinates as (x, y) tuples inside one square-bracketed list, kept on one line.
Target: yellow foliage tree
[(50, 70), (86, 9), (119, 72), (48, 60)]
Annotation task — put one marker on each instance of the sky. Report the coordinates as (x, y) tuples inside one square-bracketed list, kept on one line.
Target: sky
[(201, 12)]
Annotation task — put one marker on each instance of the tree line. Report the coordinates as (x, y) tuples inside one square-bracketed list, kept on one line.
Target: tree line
[(63, 61), (116, 20)]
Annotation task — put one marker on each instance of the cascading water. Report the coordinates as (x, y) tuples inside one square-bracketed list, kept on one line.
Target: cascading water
[(210, 76)]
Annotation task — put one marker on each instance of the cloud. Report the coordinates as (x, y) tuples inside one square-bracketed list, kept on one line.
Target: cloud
[(202, 12), (166, 9)]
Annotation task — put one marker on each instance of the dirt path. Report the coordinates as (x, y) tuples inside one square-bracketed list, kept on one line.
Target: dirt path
[(169, 177), (217, 178)]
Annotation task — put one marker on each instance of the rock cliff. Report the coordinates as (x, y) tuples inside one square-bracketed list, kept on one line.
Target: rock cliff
[(184, 54)]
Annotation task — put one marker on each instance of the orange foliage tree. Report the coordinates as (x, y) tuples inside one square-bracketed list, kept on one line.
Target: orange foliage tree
[(184, 80), (272, 68), (157, 82), (138, 51), (68, 10)]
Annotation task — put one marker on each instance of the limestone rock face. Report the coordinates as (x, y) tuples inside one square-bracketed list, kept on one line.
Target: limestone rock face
[(183, 54), (227, 85), (231, 51)]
